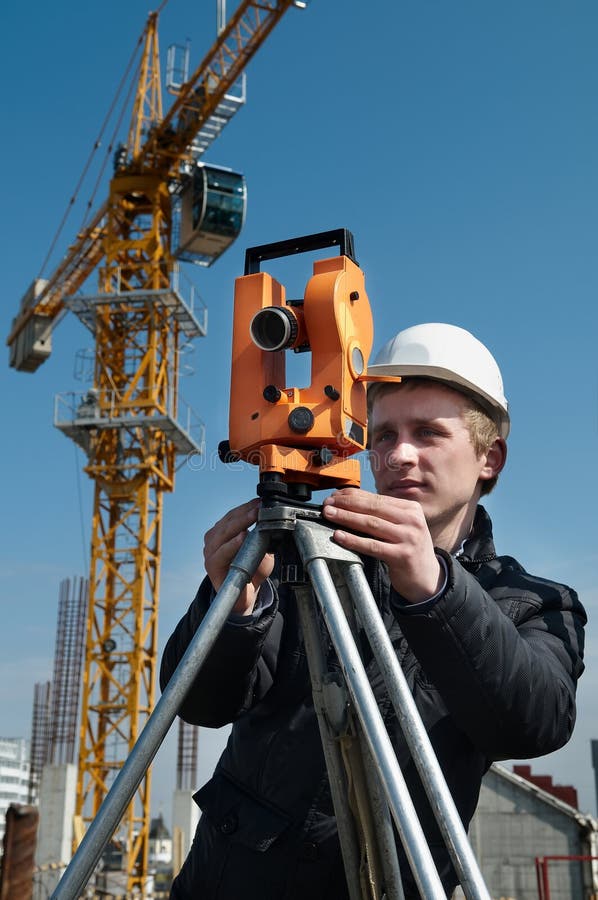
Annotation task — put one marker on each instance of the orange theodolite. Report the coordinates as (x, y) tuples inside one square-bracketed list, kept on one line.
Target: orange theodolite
[(300, 437)]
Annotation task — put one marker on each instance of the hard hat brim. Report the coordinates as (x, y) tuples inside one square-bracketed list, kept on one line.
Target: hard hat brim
[(397, 372)]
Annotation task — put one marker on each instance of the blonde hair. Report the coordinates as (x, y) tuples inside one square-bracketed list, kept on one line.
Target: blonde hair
[(483, 430)]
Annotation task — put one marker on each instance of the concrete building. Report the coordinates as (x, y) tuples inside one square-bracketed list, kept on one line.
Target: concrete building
[(160, 843), (160, 856), (185, 816), (55, 834), (14, 776), (517, 823)]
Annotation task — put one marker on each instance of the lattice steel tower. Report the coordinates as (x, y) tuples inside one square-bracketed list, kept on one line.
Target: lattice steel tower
[(163, 205)]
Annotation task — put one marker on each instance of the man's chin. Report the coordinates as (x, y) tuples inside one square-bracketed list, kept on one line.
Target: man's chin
[(407, 492)]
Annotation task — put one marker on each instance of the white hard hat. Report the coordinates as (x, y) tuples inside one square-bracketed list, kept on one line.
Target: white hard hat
[(451, 355)]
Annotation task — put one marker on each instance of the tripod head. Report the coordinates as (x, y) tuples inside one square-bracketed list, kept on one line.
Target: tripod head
[(300, 438)]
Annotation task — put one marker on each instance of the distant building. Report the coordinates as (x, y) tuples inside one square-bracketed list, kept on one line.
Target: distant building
[(565, 792), (160, 856), (160, 843), (14, 776), (517, 823)]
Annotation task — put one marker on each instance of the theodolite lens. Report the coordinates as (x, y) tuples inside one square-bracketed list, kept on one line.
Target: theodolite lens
[(274, 328)]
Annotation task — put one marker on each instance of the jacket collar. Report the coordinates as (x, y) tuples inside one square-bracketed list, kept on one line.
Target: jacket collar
[(479, 546)]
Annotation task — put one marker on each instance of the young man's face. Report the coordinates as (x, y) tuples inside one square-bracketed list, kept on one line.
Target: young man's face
[(421, 450)]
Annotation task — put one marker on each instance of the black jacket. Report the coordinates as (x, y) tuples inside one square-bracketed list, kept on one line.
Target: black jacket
[(492, 665)]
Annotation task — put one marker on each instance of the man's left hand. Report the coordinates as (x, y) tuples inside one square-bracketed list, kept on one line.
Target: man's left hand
[(390, 529)]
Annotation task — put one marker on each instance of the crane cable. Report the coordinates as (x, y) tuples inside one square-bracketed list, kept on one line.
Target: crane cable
[(118, 123), (108, 150), (96, 146)]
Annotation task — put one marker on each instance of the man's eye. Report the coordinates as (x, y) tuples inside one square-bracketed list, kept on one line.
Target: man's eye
[(382, 437)]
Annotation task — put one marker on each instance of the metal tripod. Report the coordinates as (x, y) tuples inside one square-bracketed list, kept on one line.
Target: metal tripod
[(367, 786)]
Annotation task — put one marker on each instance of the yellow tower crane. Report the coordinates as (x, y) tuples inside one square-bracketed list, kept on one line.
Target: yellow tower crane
[(131, 424)]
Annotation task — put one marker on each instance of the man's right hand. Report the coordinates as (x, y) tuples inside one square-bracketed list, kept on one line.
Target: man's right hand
[(221, 544)]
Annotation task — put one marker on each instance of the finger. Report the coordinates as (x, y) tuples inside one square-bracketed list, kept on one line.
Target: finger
[(264, 570), (345, 497), (358, 501), (220, 557), (385, 525), (366, 546), (246, 512), (372, 525), (237, 520)]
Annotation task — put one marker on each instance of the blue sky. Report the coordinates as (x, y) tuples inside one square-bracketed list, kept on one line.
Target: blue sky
[(457, 141)]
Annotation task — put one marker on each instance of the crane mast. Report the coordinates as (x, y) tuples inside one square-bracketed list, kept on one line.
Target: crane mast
[(138, 335), (130, 424)]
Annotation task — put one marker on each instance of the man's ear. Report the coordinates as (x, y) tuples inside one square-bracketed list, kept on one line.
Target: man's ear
[(496, 458)]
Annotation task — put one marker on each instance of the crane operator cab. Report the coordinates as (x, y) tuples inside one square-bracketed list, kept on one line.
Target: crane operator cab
[(212, 212)]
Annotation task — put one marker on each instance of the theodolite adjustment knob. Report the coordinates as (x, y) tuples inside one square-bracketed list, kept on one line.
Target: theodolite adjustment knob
[(301, 420)]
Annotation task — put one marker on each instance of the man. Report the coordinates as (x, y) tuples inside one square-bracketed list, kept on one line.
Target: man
[(491, 653)]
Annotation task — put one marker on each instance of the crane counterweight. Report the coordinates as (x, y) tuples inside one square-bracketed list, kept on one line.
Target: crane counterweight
[(33, 343)]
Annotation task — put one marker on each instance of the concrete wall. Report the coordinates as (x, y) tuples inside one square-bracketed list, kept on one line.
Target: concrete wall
[(514, 825), (56, 810), (185, 816)]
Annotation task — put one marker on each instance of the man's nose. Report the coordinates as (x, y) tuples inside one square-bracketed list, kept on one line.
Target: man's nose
[(402, 454)]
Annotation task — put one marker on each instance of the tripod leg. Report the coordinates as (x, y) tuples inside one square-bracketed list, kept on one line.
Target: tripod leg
[(401, 805), (332, 722), (374, 814), (380, 875), (416, 736), (344, 752), (80, 868), (386, 838)]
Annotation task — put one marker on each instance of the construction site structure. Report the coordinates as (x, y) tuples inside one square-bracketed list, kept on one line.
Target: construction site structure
[(16, 871), (56, 703), (185, 812), (186, 765), (68, 662), (40, 736), (163, 205)]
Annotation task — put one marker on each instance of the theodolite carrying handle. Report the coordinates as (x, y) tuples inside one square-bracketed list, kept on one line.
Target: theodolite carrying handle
[(340, 237)]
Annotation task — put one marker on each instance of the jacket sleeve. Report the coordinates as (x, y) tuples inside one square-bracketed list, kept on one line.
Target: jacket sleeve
[(237, 671), (506, 664)]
